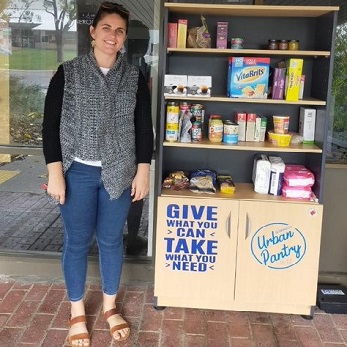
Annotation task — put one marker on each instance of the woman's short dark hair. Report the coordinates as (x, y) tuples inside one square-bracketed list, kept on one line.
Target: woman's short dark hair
[(108, 7)]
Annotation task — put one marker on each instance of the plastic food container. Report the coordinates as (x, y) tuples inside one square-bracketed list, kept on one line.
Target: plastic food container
[(279, 140), (236, 43), (281, 124)]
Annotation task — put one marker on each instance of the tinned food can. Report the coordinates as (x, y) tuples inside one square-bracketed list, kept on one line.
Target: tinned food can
[(172, 120), (230, 132), (198, 111), (196, 132)]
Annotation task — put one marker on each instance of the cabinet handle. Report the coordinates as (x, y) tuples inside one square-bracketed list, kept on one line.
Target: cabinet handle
[(228, 225), (248, 226)]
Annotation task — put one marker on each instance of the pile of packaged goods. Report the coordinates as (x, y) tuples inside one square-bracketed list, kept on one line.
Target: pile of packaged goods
[(200, 181), (272, 176), (185, 122)]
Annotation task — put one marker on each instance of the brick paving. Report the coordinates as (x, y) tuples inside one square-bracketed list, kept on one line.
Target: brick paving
[(28, 222), (35, 315)]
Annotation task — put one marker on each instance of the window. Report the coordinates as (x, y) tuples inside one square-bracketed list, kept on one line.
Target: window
[(337, 134)]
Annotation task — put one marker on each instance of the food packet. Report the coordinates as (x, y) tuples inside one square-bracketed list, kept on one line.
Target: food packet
[(176, 180), (226, 184), (199, 37), (203, 181)]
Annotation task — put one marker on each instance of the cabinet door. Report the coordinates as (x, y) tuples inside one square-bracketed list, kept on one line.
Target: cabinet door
[(278, 252), (195, 252)]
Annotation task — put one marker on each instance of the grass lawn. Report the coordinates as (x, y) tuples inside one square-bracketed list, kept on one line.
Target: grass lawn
[(36, 59)]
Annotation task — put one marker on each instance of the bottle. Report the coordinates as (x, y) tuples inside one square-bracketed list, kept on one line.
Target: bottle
[(273, 44), (293, 45), (215, 128), (283, 44)]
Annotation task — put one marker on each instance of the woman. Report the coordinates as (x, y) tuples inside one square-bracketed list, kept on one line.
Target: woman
[(97, 142)]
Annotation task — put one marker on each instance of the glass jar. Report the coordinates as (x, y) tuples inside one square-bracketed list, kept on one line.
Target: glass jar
[(215, 128), (293, 45), (283, 44), (273, 44)]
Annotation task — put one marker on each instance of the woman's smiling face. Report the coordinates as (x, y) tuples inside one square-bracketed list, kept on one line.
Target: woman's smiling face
[(109, 34)]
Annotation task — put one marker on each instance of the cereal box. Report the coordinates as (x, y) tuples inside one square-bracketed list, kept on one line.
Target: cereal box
[(172, 35), (222, 35), (248, 77), (293, 79), (182, 33)]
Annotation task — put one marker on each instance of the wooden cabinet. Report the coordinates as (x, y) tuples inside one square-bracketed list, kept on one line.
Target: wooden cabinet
[(277, 256), (244, 283), (196, 252)]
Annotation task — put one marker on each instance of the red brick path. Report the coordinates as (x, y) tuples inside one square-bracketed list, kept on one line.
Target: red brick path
[(35, 315)]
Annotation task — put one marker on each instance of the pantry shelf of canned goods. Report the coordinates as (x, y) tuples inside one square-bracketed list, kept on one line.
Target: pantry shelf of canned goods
[(246, 146), (306, 101)]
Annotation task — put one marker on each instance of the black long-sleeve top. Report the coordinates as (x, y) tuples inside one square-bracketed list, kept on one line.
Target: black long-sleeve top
[(52, 115)]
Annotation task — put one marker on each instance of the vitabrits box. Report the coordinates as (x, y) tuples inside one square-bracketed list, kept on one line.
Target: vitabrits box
[(199, 86), (182, 33), (293, 79), (248, 77), (175, 85), (172, 35), (307, 124), (222, 35)]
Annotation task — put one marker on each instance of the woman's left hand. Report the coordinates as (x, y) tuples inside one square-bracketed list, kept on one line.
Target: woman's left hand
[(140, 184)]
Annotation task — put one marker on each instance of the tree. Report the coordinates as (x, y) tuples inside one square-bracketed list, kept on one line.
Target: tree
[(22, 7), (64, 13), (340, 79), (3, 15)]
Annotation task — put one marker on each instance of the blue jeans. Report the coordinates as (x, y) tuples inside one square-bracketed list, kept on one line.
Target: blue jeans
[(88, 211)]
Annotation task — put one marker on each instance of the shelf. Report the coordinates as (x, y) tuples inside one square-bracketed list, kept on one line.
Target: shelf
[(246, 146), (263, 52), (244, 191), (310, 101), (250, 10)]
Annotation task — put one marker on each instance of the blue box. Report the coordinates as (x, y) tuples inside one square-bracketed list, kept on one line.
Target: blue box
[(248, 77)]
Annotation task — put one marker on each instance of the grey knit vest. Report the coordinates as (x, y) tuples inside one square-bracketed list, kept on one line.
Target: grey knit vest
[(97, 120)]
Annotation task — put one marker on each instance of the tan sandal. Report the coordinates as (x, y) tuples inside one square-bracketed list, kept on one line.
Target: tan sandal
[(117, 327), (81, 336)]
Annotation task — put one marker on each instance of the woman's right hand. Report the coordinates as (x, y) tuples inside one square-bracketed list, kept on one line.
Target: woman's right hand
[(56, 182)]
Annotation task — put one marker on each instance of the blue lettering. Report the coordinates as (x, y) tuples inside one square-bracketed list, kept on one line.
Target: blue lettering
[(186, 266), (284, 253), (197, 212), (169, 241), (274, 239), (182, 232), (211, 246)]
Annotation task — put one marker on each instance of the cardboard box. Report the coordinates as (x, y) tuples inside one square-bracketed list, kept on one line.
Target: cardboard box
[(278, 83), (263, 125), (241, 120), (307, 124), (276, 175), (293, 79), (199, 86), (175, 85), (248, 77), (172, 35), (251, 126), (222, 35), (302, 87), (182, 33)]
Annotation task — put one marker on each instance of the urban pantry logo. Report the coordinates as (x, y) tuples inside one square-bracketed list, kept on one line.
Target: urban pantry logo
[(278, 246)]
